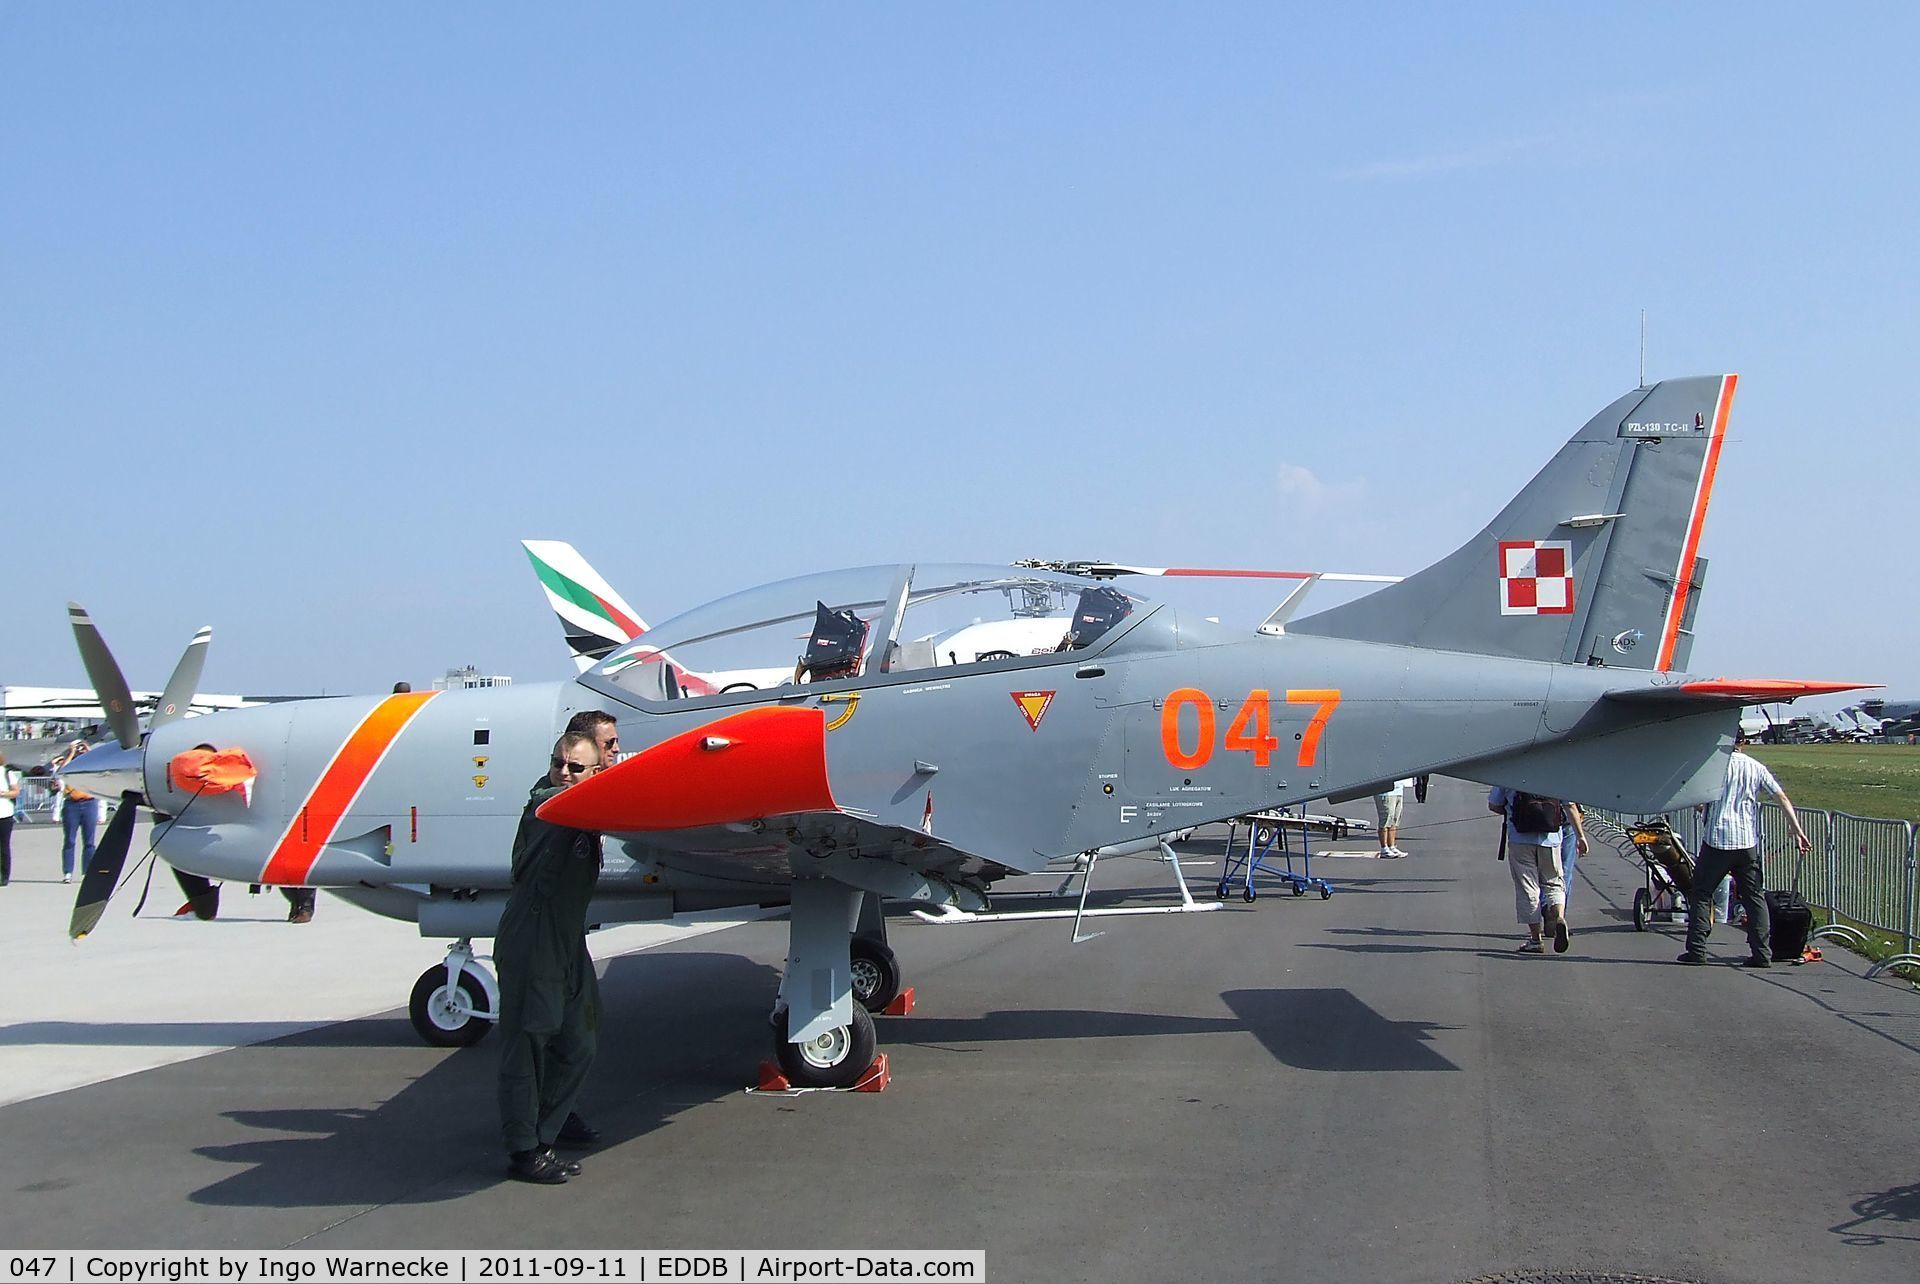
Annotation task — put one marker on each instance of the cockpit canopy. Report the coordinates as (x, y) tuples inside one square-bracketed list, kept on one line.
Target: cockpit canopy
[(861, 624)]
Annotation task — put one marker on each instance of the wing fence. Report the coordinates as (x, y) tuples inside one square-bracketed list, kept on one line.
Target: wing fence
[(1860, 869)]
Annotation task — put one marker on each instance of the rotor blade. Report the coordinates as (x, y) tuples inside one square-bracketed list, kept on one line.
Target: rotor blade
[(1109, 570), (103, 871), (185, 680), (104, 673)]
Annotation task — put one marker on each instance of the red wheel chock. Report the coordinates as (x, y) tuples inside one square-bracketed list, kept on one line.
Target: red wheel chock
[(902, 1004), (876, 1079)]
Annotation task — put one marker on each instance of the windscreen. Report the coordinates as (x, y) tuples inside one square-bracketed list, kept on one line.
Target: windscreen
[(851, 626)]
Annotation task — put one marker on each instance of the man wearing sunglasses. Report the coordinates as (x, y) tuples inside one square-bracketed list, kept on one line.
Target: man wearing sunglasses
[(600, 727), (549, 997)]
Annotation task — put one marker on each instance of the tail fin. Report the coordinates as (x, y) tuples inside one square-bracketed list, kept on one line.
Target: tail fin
[(1595, 562), (594, 617)]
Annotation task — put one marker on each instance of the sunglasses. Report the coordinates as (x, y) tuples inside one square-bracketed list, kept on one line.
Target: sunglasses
[(572, 768)]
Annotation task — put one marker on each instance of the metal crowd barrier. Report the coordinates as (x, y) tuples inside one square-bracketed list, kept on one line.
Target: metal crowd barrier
[(1859, 868), (35, 804)]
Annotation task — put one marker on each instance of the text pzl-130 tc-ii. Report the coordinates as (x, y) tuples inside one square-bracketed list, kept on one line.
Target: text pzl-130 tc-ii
[(1543, 654)]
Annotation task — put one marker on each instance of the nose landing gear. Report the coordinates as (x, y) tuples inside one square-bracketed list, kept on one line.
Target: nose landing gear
[(455, 1003)]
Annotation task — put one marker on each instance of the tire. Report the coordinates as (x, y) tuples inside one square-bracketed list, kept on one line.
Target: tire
[(1299, 889), (1249, 896), (1326, 893), (876, 973), (836, 1060), (1640, 904), (1222, 892), (432, 1019)]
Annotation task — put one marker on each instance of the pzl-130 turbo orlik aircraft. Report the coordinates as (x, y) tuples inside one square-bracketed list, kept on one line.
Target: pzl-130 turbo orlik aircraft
[(1542, 654)]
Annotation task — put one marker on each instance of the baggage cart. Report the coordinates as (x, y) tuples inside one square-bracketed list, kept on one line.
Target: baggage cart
[(1668, 870)]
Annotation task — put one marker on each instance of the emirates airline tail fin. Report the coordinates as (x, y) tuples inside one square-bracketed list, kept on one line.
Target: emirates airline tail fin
[(594, 617)]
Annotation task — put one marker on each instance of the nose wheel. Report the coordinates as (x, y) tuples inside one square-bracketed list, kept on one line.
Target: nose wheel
[(455, 1003)]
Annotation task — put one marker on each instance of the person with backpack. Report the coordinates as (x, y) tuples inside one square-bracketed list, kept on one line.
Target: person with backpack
[(1532, 842), (1730, 844)]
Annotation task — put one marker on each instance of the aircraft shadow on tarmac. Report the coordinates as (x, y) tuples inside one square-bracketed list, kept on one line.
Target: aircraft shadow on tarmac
[(153, 1034), (1333, 1030), (1878, 1217), (678, 1030), (1382, 933), (1329, 1030)]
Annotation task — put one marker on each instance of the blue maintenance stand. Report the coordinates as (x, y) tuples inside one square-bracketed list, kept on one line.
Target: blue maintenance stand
[(1267, 841)]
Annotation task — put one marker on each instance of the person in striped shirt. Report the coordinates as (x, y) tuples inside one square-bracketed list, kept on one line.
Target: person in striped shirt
[(1730, 844)]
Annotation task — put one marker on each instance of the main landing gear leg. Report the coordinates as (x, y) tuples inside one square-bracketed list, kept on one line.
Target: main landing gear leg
[(822, 1038)]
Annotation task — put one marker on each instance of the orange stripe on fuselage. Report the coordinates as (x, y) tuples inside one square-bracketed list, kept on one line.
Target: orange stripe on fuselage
[(333, 795), (1683, 578)]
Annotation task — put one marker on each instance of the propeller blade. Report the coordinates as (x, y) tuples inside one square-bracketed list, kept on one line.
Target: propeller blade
[(184, 682), (103, 871), (105, 675)]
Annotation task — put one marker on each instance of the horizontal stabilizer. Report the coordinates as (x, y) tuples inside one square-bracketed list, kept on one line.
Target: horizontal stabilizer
[(1730, 691)]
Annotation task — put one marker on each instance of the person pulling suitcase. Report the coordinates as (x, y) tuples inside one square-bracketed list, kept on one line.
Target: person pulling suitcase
[(1731, 845)]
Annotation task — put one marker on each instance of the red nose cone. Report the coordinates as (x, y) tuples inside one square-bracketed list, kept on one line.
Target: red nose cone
[(763, 762)]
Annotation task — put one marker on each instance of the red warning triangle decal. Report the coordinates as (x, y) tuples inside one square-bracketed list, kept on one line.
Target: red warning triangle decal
[(1033, 705)]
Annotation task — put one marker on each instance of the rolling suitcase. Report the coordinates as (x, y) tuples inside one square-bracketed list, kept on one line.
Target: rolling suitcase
[(1790, 924)]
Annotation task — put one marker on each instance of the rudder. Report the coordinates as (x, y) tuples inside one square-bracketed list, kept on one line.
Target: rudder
[(1596, 561)]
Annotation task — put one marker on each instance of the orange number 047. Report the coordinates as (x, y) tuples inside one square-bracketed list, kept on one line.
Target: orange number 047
[(1251, 730)]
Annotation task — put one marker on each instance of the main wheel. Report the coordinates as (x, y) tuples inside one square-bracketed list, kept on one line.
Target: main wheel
[(1641, 903), (876, 973), (436, 1018), (835, 1059)]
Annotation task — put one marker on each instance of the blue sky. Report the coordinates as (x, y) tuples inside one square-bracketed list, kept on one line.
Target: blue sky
[(309, 314)]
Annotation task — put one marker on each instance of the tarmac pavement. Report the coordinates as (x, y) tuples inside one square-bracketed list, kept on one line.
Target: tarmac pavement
[(1369, 1087)]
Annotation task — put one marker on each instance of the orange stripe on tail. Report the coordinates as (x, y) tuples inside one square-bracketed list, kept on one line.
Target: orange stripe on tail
[(1690, 548)]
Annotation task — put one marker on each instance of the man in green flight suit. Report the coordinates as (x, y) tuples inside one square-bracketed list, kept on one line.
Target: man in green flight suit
[(549, 997)]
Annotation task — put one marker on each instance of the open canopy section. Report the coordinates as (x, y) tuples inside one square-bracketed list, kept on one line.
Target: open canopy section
[(864, 624)]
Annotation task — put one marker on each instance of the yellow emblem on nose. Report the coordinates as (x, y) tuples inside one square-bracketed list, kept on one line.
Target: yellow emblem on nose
[(852, 701)]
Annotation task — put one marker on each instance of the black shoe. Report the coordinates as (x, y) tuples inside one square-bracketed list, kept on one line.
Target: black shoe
[(577, 1132), (1560, 935), (1691, 957), (1758, 960), (568, 1166), (537, 1166)]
